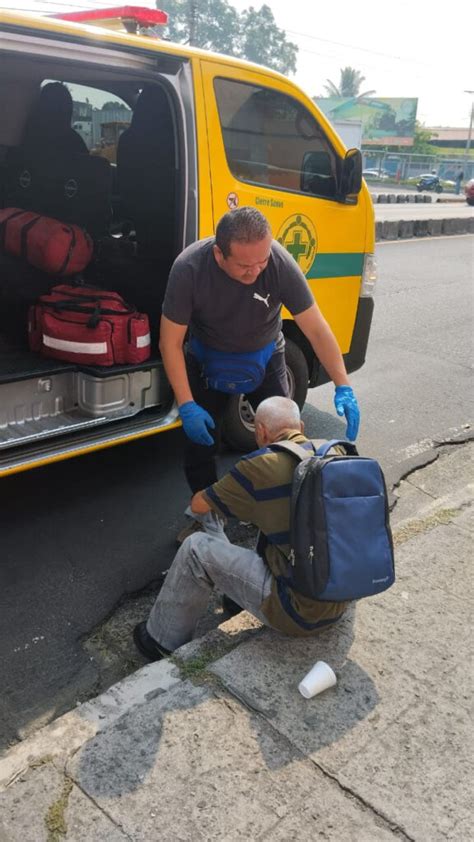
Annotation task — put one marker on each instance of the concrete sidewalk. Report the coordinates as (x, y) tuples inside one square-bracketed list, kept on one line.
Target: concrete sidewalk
[(217, 744)]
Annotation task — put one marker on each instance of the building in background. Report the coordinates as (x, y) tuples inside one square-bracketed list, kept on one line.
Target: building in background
[(448, 138), (350, 132), (385, 120)]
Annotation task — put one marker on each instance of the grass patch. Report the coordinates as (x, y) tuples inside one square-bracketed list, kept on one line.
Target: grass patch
[(418, 527), (196, 668), (54, 820), (42, 761)]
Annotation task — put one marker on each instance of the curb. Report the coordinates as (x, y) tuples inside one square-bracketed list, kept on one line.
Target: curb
[(416, 198), (61, 738), (400, 198), (402, 229)]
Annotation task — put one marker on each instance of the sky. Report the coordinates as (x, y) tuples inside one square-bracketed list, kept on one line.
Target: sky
[(405, 48)]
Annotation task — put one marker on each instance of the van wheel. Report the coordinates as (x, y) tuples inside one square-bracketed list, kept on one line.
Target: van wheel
[(238, 428)]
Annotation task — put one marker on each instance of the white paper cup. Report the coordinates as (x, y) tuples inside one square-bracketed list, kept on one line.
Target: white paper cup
[(319, 678)]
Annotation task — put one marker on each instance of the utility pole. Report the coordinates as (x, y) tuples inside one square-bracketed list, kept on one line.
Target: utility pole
[(192, 21), (469, 134)]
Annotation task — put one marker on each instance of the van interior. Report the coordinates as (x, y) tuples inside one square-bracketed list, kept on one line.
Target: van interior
[(113, 139)]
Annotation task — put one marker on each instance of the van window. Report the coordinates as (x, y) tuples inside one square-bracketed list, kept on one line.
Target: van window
[(99, 117), (271, 139)]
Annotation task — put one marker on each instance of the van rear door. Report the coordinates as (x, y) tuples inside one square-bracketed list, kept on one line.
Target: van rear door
[(268, 149)]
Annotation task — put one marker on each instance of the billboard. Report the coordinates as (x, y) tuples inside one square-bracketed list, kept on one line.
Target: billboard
[(385, 121)]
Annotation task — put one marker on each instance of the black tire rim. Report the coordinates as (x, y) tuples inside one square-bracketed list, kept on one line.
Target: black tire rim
[(246, 412)]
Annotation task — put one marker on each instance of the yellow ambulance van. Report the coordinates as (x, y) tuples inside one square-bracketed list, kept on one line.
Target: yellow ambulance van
[(195, 134)]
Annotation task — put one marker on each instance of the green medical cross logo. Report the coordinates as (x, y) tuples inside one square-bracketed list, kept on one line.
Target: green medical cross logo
[(300, 241), (297, 248)]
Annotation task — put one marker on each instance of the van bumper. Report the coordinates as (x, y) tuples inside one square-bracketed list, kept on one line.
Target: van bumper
[(355, 357)]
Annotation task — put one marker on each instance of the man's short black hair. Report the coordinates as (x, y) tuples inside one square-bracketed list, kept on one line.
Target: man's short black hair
[(244, 225)]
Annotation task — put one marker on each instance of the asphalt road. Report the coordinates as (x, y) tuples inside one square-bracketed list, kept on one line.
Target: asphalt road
[(416, 384), (78, 535)]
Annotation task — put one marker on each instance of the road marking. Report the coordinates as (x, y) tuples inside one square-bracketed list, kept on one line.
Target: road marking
[(420, 239)]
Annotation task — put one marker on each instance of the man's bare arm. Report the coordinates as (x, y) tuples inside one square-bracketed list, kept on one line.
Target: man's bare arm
[(316, 329), (171, 348)]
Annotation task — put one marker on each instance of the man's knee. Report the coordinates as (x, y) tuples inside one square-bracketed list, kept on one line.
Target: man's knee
[(205, 551), (194, 542)]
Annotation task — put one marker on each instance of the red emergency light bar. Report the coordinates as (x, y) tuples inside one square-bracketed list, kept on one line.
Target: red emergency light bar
[(132, 17)]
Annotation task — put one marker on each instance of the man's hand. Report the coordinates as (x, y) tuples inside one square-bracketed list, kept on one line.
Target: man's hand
[(199, 505), (197, 423), (346, 404)]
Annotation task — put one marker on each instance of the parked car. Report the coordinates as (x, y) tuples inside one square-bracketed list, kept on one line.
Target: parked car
[(380, 175), (469, 191)]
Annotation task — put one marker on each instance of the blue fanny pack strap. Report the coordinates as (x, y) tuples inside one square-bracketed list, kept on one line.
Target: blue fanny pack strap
[(350, 448), (204, 353)]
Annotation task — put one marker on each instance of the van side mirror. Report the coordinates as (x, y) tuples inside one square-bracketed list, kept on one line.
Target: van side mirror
[(351, 175), (316, 175)]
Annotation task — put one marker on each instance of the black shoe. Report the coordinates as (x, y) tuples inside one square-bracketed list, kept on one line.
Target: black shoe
[(187, 530), (146, 645), (230, 607)]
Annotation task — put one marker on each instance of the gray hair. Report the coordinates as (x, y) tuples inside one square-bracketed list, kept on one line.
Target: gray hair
[(278, 414), (244, 225)]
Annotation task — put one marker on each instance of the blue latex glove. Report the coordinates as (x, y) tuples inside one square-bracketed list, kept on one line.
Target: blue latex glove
[(197, 423), (346, 404)]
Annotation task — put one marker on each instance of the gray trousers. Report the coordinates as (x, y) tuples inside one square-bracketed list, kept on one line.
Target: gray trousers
[(206, 560)]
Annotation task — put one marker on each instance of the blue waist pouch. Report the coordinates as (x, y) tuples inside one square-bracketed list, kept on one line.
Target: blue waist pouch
[(235, 373)]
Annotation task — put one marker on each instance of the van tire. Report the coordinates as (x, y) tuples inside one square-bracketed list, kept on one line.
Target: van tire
[(238, 429)]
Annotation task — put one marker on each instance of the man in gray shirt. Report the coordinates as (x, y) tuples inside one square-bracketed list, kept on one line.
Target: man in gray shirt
[(229, 291)]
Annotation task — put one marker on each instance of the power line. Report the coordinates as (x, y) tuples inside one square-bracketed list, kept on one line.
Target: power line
[(85, 4), (353, 47), (79, 5), (363, 65)]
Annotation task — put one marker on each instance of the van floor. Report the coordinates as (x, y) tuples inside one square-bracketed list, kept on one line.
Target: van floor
[(18, 363), (21, 364)]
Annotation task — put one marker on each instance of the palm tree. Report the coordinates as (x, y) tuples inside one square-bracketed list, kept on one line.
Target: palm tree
[(349, 85)]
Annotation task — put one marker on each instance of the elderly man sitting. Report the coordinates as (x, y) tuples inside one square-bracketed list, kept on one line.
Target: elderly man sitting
[(256, 490)]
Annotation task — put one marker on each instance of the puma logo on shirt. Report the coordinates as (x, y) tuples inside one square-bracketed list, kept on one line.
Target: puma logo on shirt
[(261, 298)]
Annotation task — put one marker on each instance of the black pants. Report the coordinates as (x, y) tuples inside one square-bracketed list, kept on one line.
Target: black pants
[(200, 460)]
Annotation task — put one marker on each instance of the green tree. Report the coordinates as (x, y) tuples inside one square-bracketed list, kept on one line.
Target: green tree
[(113, 103), (209, 24), (349, 84), (421, 139), (264, 43), (216, 25)]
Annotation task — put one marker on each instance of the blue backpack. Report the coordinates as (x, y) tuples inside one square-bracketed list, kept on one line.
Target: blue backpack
[(340, 537)]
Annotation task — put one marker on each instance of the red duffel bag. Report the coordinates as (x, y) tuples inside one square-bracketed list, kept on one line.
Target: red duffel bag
[(88, 326), (48, 244)]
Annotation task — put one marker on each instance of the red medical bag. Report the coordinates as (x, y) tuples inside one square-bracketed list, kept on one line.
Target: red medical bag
[(88, 326), (50, 245)]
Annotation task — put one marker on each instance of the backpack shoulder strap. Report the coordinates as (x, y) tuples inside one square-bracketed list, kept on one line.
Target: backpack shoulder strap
[(293, 448), (348, 446)]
